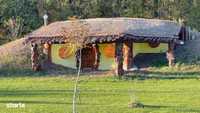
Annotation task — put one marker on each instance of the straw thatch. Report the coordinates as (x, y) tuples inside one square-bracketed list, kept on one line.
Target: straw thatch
[(112, 29)]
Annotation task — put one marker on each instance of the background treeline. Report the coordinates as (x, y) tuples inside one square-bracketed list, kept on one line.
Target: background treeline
[(18, 17)]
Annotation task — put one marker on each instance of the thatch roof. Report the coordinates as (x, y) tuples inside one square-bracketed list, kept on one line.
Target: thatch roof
[(111, 29)]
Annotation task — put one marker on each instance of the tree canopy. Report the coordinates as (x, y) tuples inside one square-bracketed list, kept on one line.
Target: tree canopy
[(18, 17)]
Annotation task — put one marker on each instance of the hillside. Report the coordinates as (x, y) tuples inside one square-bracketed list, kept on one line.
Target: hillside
[(15, 54)]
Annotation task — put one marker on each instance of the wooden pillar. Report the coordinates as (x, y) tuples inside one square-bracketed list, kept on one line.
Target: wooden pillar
[(119, 58), (170, 54), (49, 54), (47, 51), (97, 56), (128, 55), (35, 57)]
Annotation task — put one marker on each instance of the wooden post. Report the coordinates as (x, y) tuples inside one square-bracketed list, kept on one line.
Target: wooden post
[(97, 56), (170, 54), (47, 51), (128, 55), (119, 59), (49, 54), (35, 57)]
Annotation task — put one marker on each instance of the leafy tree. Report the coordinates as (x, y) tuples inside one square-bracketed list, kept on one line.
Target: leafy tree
[(193, 17), (30, 12), (56, 9), (25, 10)]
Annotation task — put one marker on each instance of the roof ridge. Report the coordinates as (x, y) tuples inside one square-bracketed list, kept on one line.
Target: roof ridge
[(115, 19)]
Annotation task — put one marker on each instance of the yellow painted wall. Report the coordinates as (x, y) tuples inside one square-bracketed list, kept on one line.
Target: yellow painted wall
[(107, 59), (67, 58), (145, 48), (107, 63)]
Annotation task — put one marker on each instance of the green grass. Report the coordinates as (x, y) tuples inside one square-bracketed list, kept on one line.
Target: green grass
[(53, 94)]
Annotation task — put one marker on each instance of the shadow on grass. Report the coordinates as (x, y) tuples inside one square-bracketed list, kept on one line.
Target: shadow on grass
[(32, 102), (43, 102), (27, 72), (46, 102), (142, 75), (177, 108), (29, 93), (129, 75), (47, 70), (20, 73), (158, 106)]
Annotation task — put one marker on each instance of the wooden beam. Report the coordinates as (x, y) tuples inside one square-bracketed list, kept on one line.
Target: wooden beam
[(35, 57), (119, 59), (170, 54), (49, 54), (128, 55)]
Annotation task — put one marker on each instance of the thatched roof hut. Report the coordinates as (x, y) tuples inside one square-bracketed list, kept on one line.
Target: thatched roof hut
[(121, 31)]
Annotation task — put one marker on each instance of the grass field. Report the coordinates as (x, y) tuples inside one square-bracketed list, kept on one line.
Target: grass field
[(53, 94)]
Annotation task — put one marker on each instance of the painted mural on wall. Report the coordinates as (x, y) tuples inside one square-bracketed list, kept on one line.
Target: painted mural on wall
[(107, 59), (64, 54), (146, 48)]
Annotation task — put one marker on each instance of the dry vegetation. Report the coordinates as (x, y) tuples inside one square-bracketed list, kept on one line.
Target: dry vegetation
[(15, 54)]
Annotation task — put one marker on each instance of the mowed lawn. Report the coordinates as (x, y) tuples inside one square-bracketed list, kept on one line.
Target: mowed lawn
[(99, 95)]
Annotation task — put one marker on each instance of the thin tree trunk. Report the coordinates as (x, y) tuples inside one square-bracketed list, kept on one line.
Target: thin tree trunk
[(76, 83)]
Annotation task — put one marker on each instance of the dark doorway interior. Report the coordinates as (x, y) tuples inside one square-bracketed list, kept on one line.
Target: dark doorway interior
[(88, 57), (146, 60)]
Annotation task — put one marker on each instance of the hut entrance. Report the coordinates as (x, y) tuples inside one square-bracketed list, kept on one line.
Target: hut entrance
[(88, 57)]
